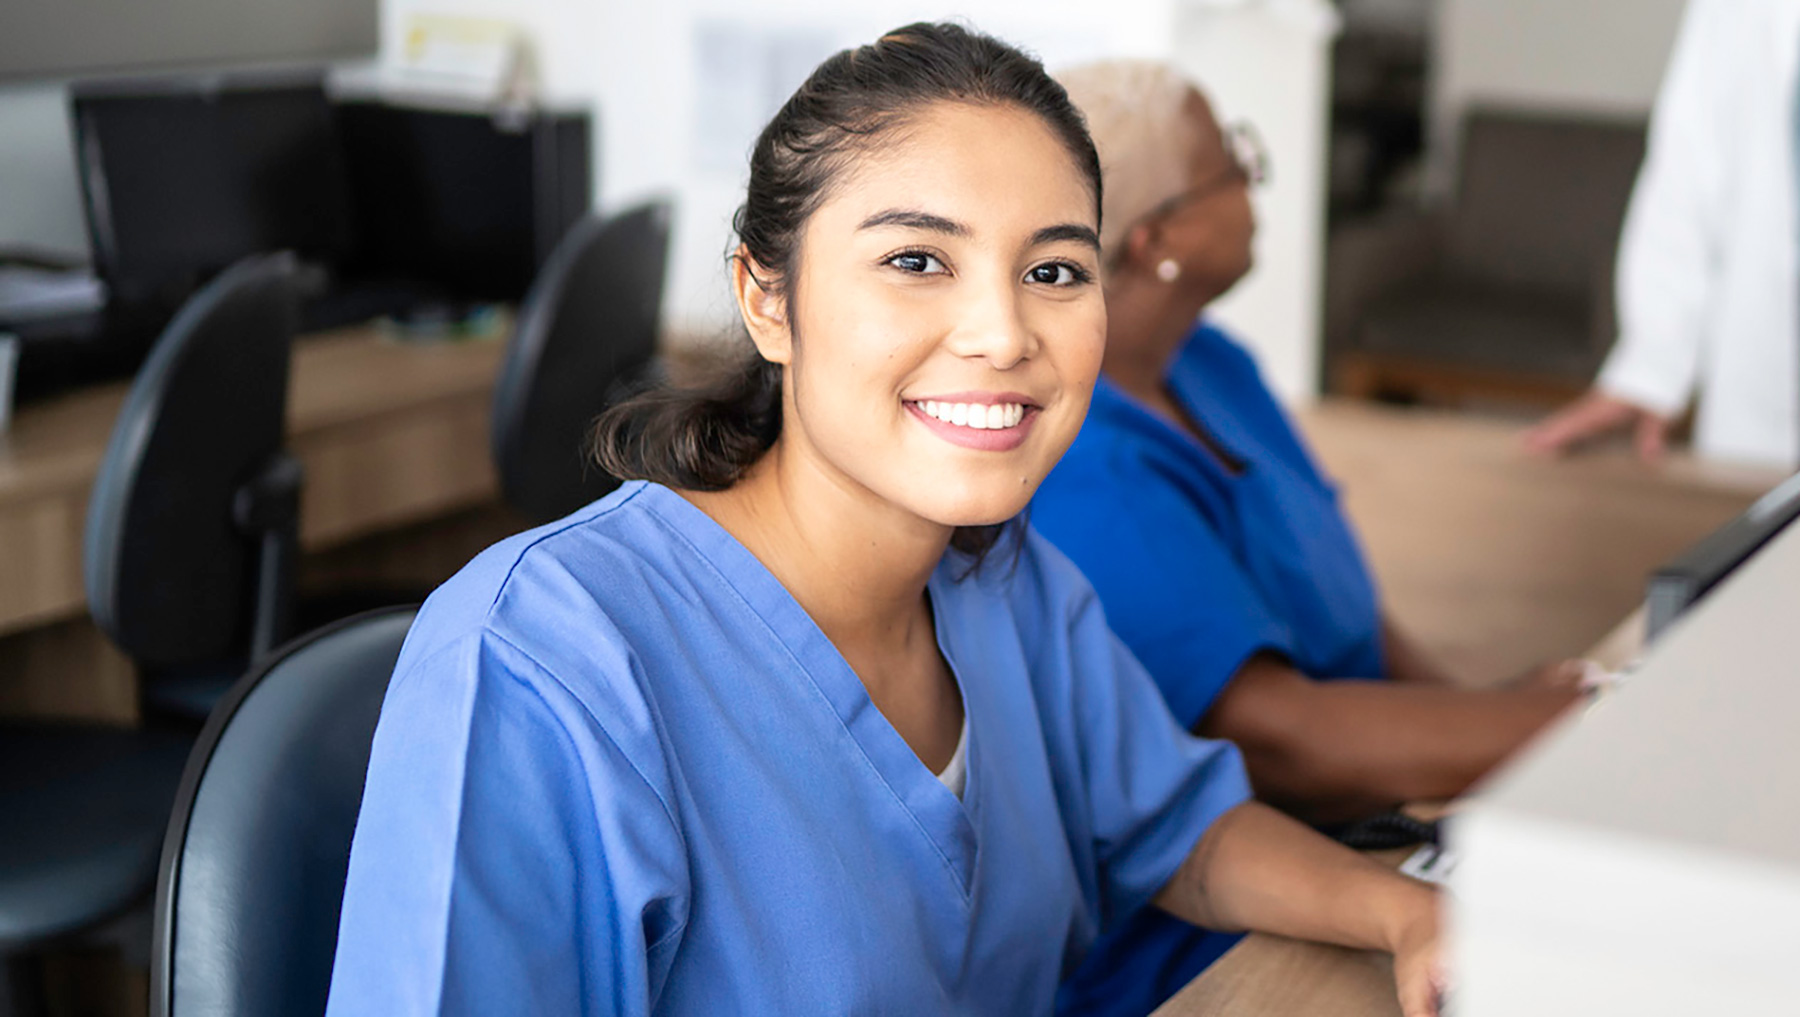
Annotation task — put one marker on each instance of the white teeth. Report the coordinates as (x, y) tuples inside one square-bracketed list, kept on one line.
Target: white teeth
[(979, 416)]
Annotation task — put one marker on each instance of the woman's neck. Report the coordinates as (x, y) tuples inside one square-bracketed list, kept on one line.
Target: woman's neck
[(858, 566), (1146, 326), (855, 562)]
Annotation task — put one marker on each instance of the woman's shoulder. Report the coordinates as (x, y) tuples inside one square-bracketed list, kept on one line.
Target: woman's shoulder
[(1210, 347), (608, 533), (564, 593), (559, 623), (1111, 448)]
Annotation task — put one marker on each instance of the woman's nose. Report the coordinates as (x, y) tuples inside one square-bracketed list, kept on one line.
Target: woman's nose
[(994, 328)]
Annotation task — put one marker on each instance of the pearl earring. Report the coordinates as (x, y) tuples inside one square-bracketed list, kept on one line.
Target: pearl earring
[(1168, 270)]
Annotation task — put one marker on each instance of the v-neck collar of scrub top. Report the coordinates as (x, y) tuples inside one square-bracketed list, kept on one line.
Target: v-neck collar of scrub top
[(944, 819)]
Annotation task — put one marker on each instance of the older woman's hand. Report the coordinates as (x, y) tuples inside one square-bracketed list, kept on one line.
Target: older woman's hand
[(1556, 676)]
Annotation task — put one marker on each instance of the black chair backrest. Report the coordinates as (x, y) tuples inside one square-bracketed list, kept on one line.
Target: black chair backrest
[(586, 335), (1541, 197), (254, 862), (171, 570)]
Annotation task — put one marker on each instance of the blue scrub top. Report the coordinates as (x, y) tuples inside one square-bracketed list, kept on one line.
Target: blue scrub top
[(619, 770), (1199, 569)]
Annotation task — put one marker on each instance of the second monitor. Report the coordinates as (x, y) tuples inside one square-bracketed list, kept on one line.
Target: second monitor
[(387, 203), (462, 202)]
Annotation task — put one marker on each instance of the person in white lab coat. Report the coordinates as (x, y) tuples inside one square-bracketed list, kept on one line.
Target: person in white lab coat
[(1708, 276)]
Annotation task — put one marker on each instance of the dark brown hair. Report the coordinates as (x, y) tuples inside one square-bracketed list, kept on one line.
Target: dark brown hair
[(704, 438)]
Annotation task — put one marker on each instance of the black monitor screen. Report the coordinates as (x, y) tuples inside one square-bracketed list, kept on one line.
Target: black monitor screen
[(442, 197), (180, 183), (1678, 585)]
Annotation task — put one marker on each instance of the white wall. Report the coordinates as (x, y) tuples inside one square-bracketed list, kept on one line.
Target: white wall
[(1585, 56), (1270, 64)]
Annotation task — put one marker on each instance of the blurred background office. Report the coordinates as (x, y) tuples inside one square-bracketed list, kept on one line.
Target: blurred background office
[(505, 214)]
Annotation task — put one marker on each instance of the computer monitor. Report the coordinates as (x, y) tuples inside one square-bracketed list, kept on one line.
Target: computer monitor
[(463, 203), (1678, 585), (183, 177)]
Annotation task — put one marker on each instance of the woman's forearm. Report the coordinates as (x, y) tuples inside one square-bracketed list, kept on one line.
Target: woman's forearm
[(1329, 750), (1257, 869), (1406, 662)]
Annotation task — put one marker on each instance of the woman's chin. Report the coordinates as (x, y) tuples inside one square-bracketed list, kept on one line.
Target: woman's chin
[(982, 510)]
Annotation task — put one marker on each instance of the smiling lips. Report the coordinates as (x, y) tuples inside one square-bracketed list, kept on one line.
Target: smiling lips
[(996, 423)]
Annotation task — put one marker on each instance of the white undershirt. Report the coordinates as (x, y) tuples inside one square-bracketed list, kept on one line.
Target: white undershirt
[(956, 772)]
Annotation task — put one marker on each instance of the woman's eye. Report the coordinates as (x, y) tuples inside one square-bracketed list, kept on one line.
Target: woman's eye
[(917, 262), (1058, 273)]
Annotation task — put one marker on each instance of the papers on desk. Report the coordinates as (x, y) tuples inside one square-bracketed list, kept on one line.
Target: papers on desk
[(29, 293), (1430, 863), (452, 61)]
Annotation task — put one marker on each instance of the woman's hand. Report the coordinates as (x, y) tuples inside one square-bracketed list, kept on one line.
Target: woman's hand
[(1596, 415), (1258, 869), (1418, 962), (1557, 676)]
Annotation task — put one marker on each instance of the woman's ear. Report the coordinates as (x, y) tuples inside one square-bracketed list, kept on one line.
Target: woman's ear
[(763, 309), (1143, 247)]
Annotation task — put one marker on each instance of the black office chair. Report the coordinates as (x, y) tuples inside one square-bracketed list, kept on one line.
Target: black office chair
[(586, 337), (254, 862), (81, 810), (192, 493), (192, 526)]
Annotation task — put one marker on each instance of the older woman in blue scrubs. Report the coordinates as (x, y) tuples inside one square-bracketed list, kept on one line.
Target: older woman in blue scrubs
[(798, 722), (1212, 538)]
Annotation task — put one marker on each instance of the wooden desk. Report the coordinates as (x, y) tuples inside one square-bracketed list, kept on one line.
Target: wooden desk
[(1493, 560), (388, 433), (1497, 560)]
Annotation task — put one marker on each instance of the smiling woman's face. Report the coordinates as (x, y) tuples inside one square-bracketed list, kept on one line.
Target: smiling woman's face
[(945, 325)]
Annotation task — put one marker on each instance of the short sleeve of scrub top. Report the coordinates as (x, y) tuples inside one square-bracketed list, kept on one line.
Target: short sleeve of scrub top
[(620, 771)]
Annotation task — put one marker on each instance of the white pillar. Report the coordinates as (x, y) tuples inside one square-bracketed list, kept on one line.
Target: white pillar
[(1269, 62)]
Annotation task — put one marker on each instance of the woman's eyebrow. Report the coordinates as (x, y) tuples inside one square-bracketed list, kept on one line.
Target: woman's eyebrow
[(914, 219), (1075, 232)]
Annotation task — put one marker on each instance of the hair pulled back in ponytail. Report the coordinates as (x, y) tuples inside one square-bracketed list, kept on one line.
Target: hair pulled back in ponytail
[(705, 438)]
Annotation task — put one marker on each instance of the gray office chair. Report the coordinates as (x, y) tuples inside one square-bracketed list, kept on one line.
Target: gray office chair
[(586, 337), (254, 862), (189, 497), (192, 525)]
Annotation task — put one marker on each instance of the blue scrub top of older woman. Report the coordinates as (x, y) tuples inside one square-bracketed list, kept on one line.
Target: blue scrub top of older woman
[(619, 770), (1200, 567)]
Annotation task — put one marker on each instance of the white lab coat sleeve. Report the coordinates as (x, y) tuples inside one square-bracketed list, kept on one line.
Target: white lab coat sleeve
[(1670, 249)]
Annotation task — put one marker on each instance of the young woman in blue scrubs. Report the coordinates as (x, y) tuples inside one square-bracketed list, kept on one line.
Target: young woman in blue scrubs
[(1214, 542), (799, 722)]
